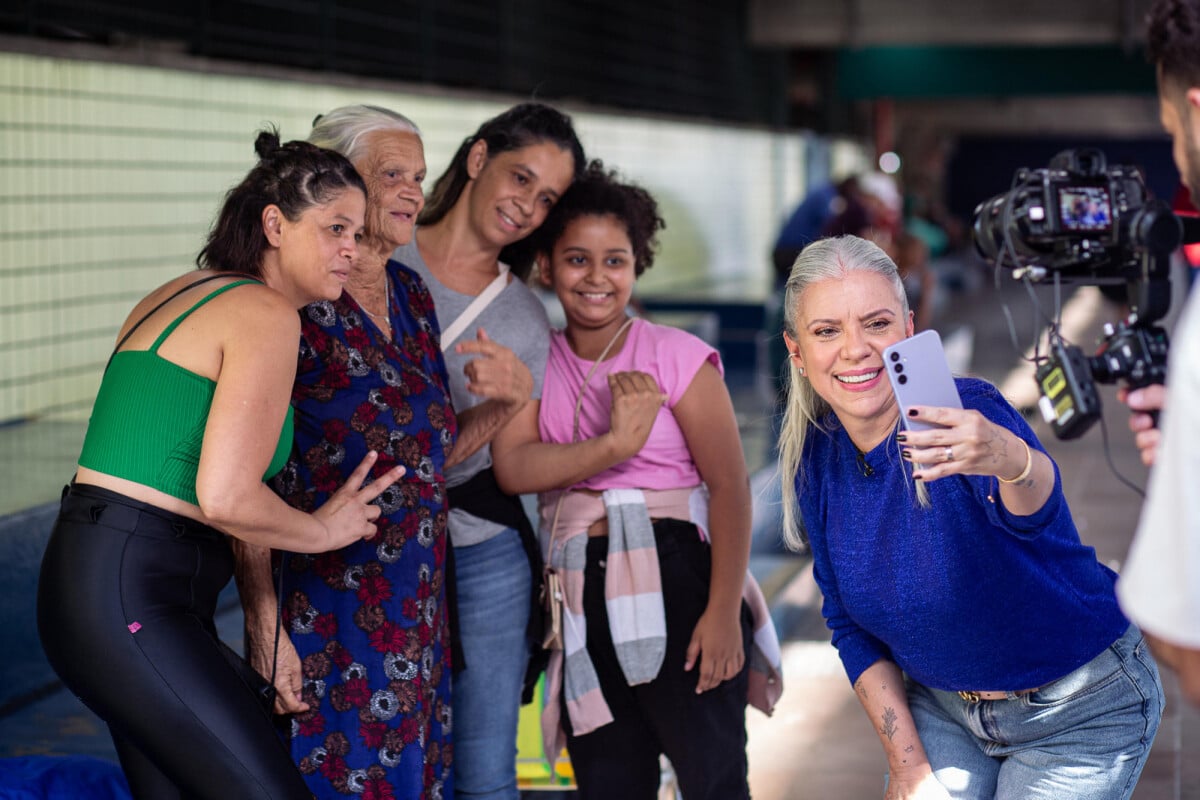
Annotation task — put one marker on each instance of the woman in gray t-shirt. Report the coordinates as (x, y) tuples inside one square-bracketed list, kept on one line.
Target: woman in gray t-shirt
[(499, 187)]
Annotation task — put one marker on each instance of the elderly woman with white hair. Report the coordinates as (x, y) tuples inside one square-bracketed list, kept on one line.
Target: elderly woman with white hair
[(364, 668), (981, 635)]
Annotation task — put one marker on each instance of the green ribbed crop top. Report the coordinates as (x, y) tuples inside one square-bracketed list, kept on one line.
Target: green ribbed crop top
[(148, 421)]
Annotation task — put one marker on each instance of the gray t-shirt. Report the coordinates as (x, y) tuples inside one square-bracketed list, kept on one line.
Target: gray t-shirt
[(516, 319)]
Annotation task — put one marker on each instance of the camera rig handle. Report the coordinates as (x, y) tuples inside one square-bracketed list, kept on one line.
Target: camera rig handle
[(1191, 228), (1149, 296)]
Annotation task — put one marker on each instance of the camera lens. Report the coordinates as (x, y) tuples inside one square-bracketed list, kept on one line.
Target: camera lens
[(895, 356), (899, 368), (903, 379)]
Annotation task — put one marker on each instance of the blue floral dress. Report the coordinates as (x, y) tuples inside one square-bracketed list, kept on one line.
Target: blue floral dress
[(369, 621)]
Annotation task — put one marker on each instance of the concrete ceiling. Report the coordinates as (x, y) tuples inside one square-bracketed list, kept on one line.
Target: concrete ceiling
[(804, 24), (854, 27)]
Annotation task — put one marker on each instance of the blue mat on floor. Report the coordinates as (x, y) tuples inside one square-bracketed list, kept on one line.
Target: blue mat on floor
[(61, 778)]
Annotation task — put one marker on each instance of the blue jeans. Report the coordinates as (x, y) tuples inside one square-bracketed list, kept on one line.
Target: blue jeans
[(1086, 735), (493, 583)]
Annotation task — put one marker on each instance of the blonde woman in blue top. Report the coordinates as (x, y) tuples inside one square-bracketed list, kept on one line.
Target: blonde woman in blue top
[(982, 637), (191, 415)]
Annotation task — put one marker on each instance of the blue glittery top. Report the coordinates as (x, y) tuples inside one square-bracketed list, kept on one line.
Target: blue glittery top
[(961, 595)]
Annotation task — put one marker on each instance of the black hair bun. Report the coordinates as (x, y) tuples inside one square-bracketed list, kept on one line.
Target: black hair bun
[(266, 144)]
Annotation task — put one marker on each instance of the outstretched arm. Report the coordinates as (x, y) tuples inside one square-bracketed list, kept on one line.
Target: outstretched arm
[(977, 446)]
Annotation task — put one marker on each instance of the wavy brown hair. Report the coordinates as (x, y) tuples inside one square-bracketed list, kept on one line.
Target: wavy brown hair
[(520, 126)]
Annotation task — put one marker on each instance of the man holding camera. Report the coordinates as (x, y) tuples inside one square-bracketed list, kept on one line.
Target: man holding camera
[(1159, 588)]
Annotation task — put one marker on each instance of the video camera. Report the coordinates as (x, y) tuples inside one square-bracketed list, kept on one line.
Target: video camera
[(1081, 221)]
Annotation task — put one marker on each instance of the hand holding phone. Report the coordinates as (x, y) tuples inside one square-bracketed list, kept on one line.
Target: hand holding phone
[(920, 376)]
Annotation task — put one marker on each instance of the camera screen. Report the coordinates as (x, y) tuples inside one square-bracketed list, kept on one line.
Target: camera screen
[(1084, 208)]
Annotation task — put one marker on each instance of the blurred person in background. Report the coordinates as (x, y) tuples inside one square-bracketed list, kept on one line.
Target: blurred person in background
[(806, 222)]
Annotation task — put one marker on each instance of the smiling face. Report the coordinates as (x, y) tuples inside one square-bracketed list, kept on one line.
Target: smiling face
[(591, 270), (842, 327), (510, 193), (313, 255), (393, 168)]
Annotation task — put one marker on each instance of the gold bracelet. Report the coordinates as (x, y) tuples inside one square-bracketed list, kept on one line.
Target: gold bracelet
[(1028, 466)]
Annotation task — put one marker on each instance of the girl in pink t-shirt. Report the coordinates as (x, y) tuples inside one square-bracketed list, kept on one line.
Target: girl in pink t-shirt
[(654, 417)]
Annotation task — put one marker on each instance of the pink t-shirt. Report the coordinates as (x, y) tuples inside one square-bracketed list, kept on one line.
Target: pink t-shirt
[(672, 357)]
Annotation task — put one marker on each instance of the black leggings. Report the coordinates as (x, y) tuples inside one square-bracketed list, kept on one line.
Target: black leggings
[(125, 613), (703, 735)]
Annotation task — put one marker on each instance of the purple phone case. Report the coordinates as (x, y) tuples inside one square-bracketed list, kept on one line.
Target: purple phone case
[(919, 375)]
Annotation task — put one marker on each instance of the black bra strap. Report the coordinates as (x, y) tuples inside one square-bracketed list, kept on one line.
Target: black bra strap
[(150, 313)]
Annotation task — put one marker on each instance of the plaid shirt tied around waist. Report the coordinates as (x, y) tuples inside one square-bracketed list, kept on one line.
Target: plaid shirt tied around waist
[(633, 593)]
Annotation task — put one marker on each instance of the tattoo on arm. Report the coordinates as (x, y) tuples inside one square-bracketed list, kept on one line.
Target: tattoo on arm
[(889, 723)]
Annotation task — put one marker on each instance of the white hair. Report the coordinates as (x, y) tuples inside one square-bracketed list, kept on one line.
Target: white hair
[(344, 128), (824, 259)]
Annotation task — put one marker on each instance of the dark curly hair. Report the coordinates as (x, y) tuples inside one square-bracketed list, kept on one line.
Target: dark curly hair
[(600, 192), (1173, 41), (521, 126), (294, 176)]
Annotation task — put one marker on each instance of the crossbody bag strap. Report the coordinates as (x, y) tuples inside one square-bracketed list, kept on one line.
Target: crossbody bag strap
[(476, 307), (283, 558), (552, 590), (575, 427)]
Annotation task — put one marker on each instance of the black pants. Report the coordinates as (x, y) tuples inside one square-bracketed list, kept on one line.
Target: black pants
[(125, 613), (704, 735)]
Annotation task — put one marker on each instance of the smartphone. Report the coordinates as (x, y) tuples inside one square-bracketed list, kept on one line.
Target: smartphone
[(920, 376)]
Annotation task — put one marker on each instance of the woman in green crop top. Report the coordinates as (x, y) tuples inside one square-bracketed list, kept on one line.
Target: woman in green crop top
[(192, 414)]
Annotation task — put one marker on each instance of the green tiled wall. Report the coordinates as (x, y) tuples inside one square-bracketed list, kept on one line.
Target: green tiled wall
[(110, 174)]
